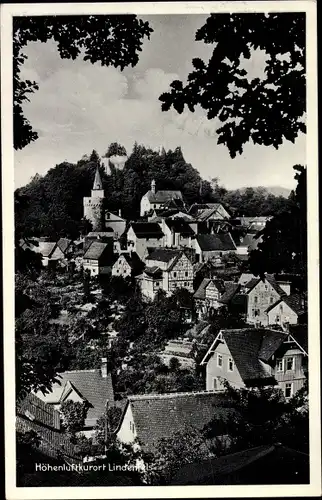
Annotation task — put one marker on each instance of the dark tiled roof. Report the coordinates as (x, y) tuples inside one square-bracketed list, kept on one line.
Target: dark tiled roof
[(95, 250), (230, 291), (201, 292), (250, 349), (250, 241), (64, 243), (37, 410), (163, 254), (163, 196), (134, 261), (33, 414), (159, 416), (90, 385), (147, 230), (300, 334), (153, 271), (293, 301), (216, 242), (179, 225)]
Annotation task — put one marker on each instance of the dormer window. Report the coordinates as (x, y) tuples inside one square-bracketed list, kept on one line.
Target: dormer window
[(290, 363)]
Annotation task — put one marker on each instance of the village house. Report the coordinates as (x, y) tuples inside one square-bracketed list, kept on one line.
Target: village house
[(172, 213), (247, 243), (93, 387), (288, 310), (150, 417), (254, 224), (209, 212), (256, 357), (33, 414), (144, 235), (158, 199), (166, 269), (211, 246), (97, 258), (115, 222), (177, 233), (261, 293), (128, 265), (207, 297)]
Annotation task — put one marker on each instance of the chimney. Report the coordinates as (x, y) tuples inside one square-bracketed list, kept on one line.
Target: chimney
[(153, 186), (104, 367)]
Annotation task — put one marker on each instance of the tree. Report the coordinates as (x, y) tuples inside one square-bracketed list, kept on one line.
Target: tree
[(172, 453), (73, 415), (265, 110), (284, 239), (111, 40), (115, 149)]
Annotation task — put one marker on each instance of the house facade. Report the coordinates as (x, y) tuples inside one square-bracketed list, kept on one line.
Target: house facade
[(177, 232), (256, 357), (158, 199), (207, 297), (115, 222), (144, 235), (261, 294), (211, 246), (92, 387), (166, 269), (97, 258), (289, 310), (127, 265)]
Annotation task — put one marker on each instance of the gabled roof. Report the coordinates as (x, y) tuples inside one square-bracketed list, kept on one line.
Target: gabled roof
[(158, 416), (250, 349), (38, 411), (216, 242), (147, 230), (46, 248), (133, 261), (95, 250), (201, 292), (64, 244), (90, 385), (32, 414), (163, 196), (179, 225), (231, 289), (270, 279), (206, 213), (154, 271), (163, 254), (300, 335), (293, 301)]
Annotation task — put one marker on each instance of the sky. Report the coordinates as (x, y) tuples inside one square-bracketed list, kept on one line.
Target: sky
[(80, 107)]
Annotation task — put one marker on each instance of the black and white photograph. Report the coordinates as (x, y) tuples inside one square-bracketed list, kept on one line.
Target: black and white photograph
[(160, 237)]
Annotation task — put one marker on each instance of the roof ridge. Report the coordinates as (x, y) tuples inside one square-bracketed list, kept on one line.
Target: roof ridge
[(171, 395)]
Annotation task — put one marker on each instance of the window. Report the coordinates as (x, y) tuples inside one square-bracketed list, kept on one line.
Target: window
[(288, 391), (219, 360), (281, 308), (289, 363), (230, 365), (255, 300), (279, 365), (271, 300), (185, 283), (215, 383), (186, 273), (174, 274)]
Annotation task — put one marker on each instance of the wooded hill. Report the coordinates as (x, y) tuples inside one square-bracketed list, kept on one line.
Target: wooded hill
[(52, 205)]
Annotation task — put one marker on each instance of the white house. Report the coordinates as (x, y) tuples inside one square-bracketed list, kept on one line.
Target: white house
[(144, 235), (157, 199), (288, 310)]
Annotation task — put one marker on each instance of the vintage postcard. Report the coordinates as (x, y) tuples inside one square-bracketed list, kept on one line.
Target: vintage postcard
[(160, 242)]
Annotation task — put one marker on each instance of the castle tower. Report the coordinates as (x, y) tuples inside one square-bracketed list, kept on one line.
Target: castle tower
[(153, 186), (94, 205)]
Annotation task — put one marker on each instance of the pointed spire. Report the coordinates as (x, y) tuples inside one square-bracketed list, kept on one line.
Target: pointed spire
[(97, 181)]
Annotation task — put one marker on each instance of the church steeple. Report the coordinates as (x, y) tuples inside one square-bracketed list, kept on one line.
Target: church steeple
[(98, 185)]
